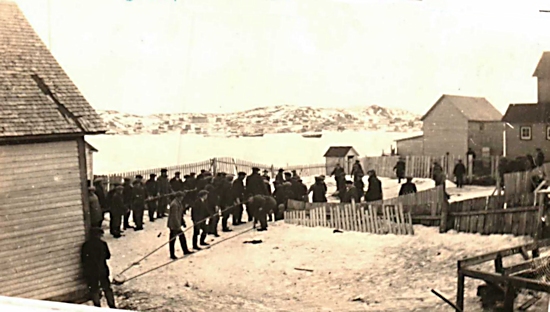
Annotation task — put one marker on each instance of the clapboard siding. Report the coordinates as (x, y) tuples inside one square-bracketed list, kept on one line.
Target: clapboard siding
[(445, 130), (42, 224)]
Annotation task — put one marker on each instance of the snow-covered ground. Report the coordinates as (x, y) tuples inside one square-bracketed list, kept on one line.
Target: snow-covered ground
[(350, 271)]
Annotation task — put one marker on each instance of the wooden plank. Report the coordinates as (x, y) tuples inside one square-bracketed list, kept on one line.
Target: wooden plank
[(522, 223), (332, 216), (21, 227), (411, 226), (375, 219), (21, 242), (44, 199), (352, 217), (45, 286), (345, 217), (403, 223), (41, 218), (519, 282), (34, 256), (491, 212), (42, 272), (47, 263), (38, 248), (503, 253), (48, 209), (529, 265), (33, 231)]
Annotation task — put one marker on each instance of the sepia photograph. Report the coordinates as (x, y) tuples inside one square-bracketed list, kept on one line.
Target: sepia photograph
[(274, 155)]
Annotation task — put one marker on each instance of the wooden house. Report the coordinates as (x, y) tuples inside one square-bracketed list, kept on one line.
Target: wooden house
[(343, 155), (528, 125), (453, 125), (44, 215)]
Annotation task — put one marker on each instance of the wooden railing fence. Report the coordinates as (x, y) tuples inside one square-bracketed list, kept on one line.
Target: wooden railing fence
[(388, 219)]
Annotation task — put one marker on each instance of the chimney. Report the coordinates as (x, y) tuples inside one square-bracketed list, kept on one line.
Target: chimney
[(542, 72)]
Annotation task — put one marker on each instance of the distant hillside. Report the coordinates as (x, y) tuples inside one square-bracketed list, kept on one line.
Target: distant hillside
[(276, 119)]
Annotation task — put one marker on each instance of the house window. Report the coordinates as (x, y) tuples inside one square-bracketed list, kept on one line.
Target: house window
[(548, 132), (525, 133)]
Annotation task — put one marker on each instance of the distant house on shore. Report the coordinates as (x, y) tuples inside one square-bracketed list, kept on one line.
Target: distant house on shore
[(454, 124), (44, 213), (199, 119), (528, 125), (343, 155)]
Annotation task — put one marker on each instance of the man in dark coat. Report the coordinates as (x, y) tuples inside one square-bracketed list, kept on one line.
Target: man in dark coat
[(190, 185), (176, 183), (540, 158), (459, 172), (437, 174), (139, 194), (175, 222), (299, 190), (280, 177), (254, 186), (96, 213), (151, 186), (101, 197), (266, 174), (204, 180), (399, 169), (319, 191), (237, 193), (213, 209), (199, 214), (164, 189), (267, 185), (357, 171), (280, 198), (94, 255), (295, 174), (288, 177), (350, 193), (340, 177), (360, 187), (226, 201), (127, 195), (201, 175), (374, 190), (408, 187), (117, 210)]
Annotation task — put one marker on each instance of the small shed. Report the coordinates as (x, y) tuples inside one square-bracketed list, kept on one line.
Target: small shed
[(343, 155), (410, 146), (90, 150)]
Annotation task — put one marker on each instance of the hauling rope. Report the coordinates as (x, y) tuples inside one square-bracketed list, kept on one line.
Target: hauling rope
[(120, 280)]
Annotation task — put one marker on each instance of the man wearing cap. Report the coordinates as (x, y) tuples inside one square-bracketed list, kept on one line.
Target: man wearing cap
[(319, 191), (138, 203), (175, 222), (226, 200), (374, 190), (399, 169), (237, 194), (151, 187), (360, 186), (199, 215), (288, 177), (118, 210), (164, 189), (127, 196), (279, 177), (340, 177), (94, 255), (101, 196), (254, 186), (266, 174), (189, 186), (212, 204), (176, 183), (299, 189), (350, 194), (201, 175), (357, 171), (96, 214)]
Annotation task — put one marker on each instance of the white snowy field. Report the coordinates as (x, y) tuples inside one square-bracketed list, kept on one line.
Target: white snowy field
[(381, 272), (132, 152)]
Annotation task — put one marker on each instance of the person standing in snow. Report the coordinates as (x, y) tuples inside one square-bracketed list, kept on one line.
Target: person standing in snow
[(151, 187), (279, 177), (350, 193), (175, 223), (540, 158), (96, 214), (319, 191), (199, 213), (237, 193), (437, 174), (357, 171), (399, 169), (340, 177), (164, 189), (374, 190), (459, 172)]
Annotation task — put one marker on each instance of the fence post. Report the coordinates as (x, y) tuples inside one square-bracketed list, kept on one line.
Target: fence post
[(444, 214), (213, 163)]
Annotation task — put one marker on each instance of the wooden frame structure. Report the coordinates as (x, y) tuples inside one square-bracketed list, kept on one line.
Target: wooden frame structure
[(510, 279)]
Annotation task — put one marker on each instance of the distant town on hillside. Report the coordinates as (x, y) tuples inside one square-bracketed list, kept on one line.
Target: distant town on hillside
[(266, 120)]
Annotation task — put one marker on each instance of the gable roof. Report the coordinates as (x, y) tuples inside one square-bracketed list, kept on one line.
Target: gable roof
[(36, 95), (523, 113), (543, 67), (473, 108), (410, 138), (339, 151)]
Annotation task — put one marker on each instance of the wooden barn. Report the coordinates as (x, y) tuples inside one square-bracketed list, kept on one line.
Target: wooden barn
[(529, 124), (343, 155), (453, 125), (44, 216)]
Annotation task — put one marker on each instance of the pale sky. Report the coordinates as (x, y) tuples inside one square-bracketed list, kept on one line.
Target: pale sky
[(148, 56)]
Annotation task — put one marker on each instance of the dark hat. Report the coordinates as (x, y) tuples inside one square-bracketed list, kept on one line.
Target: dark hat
[(119, 187), (219, 174), (127, 179), (241, 173), (265, 171), (139, 176), (299, 180), (255, 169), (96, 231), (192, 174), (322, 177), (202, 193), (318, 178), (349, 182), (409, 178), (288, 174), (177, 173), (186, 176), (281, 169), (203, 170), (152, 175), (293, 171), (209, 187), (98, 179), (163, 170)]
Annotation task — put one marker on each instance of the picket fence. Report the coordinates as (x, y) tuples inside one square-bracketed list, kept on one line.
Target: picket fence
[(520, 184), (389, 219), (421, 166)]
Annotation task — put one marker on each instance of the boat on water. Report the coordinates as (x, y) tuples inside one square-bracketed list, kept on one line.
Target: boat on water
[(252, 135), (312, 135)]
